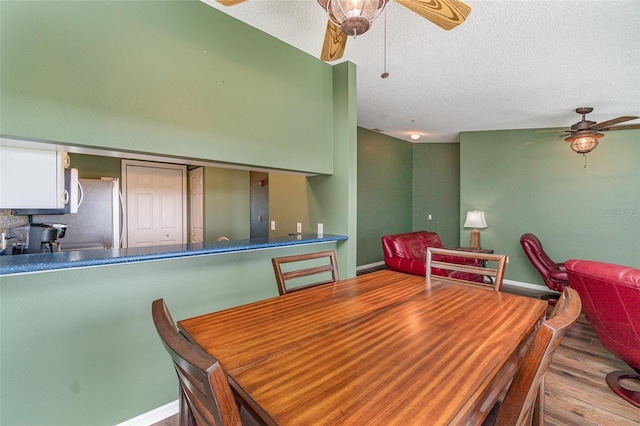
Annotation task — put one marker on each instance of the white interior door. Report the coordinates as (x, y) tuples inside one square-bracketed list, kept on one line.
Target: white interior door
[(196, 207), (155, 197)]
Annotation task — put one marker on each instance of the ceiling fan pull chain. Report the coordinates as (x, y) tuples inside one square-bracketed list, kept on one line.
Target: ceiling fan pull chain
[(585, 161), (385, 74)]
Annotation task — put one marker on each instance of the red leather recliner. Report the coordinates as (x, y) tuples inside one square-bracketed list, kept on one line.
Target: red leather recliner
[(407, 252), (611, 303), (554, 274)]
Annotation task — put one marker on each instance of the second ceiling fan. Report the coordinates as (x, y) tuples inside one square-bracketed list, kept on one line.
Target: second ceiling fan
[(583, 135), (354, 18)]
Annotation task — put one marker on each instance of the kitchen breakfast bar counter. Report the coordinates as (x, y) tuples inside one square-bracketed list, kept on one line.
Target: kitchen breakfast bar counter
[(41, 262)]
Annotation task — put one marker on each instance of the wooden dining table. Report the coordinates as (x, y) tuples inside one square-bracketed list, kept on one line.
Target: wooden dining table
[(378, 349)]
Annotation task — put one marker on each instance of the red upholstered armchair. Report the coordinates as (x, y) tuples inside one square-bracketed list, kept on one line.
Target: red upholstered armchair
[(611, 302), (554, 274), (407, 253)]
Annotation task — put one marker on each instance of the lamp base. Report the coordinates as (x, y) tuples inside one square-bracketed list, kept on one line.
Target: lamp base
[(475, 239)]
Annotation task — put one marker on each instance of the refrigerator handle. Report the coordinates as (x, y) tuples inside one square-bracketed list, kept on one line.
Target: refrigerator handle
[(80, 193), (121, 216)]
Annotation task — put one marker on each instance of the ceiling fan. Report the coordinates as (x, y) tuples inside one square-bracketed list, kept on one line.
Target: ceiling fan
[(354, 17), (583, 136)]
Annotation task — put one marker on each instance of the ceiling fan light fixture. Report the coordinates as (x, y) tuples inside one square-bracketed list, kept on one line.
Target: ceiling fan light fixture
[(354, 17), (584, 142)]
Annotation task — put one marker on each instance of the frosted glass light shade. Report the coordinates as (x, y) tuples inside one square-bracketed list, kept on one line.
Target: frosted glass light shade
[(353, 16), (475, 219)]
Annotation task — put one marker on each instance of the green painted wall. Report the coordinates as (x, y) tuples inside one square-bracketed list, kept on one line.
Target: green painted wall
[(385, 167), (288, 204), (163, 78), (173, 77), (79, 346), (95, 167), (333, 200), (436, 190), (226, 204), (543, 188)]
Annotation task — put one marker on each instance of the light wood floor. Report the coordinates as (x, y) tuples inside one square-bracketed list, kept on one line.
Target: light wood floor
[(575, 387)]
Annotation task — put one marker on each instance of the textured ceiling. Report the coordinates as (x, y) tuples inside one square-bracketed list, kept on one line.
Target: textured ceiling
[(514, 64)]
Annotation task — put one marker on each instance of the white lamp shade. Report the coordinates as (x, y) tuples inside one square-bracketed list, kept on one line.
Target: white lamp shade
[(475, 219)]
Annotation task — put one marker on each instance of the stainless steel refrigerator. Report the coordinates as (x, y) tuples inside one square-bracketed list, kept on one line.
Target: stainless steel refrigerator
[(97, 224)]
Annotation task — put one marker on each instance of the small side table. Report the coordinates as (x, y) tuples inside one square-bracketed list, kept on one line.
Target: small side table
[(480, 250)]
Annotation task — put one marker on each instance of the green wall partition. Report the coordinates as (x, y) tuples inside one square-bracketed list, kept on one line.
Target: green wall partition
[(544, 188), (79, 346), (177, 78), (333, 199), (436, 190), (384, 191)]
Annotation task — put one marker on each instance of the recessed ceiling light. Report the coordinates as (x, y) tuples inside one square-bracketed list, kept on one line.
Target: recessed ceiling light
[(415, 136)]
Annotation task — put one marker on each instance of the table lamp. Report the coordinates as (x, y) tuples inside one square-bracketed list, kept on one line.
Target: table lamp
[(475, 219)]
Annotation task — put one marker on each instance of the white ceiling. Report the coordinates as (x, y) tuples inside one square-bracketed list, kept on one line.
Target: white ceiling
[(514, 64)]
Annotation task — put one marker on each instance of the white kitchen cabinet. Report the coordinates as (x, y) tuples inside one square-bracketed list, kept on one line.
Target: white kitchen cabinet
[(32, 178)]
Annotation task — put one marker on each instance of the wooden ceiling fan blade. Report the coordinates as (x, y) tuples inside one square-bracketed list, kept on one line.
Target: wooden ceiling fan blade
[(446, 14), (610, 123), (554, 131), (335, 41), (623, 127), (230, 2), (547, 139)]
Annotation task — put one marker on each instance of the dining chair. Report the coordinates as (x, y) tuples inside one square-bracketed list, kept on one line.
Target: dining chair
[(523, 403), (205, 395), (317, 268), (441, 259)]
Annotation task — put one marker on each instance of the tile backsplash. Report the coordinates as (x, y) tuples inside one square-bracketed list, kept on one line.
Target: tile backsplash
[(7, 220)]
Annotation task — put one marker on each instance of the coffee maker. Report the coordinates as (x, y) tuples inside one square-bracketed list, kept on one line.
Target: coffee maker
[(36, 238), (42, 237)]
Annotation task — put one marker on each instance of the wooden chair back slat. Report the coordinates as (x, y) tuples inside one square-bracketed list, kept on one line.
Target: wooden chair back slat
[(320, 271), (496, 274)]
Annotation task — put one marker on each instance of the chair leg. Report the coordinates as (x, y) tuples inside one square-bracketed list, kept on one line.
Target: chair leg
[(538, 407), (552, 299), (615, 377)]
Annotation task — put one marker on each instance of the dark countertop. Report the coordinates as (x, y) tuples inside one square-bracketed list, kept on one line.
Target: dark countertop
[(41, 262)]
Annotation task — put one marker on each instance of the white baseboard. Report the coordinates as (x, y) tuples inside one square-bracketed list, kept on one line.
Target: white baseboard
[(370, 265), (512, 283), (153, 416), (530, 286)]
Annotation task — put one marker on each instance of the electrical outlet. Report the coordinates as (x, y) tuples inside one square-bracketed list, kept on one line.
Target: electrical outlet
[(273, 225), (299, 228), (429, 217), (320, 228)]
